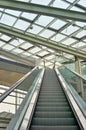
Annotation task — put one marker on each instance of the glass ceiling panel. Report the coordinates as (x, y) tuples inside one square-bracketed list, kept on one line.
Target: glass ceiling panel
[(81, 34), (82, 24), (15, 42), (44, 20), (60, 4), (35, 50), (8, 47), (13, 12), (43, 53), (20, 24), (69, 30), (82, 2), (41, 2), (58, 24), (80, 44), (5, 37), (17, 50), (35, 29), (26, 54), (58, 37), (47, 33), (68, 41), (1, 43), (26, 45), (8, 20), (77, 9), (28, 15)]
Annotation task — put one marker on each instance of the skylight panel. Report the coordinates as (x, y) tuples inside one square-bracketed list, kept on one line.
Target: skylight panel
[(81, 34), (17, 50), (20, 24), (82, 24), (41, 2), (47, 33), (15, 42), (58, 37), (5, 37), (60, 4), (69, 41), (76, 9), (29, 16), (34, 50), (69, 30), (8, 47), (50, 57), (71, 1), (1, 43), (58, 24), (43, 53), (26, 45), (13, 12), (44, 20), (35, 29), (26, 54), (82, 2), (79, 44), (7, 19)]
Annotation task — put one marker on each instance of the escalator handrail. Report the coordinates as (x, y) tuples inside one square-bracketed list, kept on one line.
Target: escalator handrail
[(77, 74), (15, 85), (80, 103), (18, 118)]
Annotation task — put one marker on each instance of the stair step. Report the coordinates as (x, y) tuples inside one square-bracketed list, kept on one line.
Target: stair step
[(54, 114), (71, 127), (52, 100), (54, 121), (53, 108), (52, 104)]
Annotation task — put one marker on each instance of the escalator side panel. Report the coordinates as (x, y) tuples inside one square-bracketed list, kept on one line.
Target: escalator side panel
[(52, 111)]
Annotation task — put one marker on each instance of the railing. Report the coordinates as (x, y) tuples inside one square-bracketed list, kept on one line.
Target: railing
[(75, 80), (69, 81), (11, 98), (23, 115)]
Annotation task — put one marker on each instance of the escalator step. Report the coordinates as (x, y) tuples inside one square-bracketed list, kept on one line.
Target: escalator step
[(53, 108), (53, 121), (53, 104), (54, 127), (54, 114)]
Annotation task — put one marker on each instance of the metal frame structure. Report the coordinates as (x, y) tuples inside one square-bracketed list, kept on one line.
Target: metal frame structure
[(28, 28)]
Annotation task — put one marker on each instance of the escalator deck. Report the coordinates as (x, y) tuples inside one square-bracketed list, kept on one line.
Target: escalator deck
[(52, 111)]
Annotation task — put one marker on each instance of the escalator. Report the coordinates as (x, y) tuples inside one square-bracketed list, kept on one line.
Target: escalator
[(52, 111)]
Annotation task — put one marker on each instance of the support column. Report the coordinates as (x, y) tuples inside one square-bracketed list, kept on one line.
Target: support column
[(77, 65), (79, 82)]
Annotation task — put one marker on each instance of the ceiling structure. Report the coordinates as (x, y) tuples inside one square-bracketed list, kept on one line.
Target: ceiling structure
[(51, 31)]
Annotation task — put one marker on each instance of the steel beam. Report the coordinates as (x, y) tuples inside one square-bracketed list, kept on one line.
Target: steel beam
[(42, 41), (44, 10), (14, 66), (16, 58)]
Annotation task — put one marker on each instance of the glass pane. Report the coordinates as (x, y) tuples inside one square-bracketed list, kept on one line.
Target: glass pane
[(8, 20), (44, 20), (58, 24), (20, 24), (8, 47), (47, 33), (28, 15)]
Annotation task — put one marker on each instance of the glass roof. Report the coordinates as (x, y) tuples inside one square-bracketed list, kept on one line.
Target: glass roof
[(60, 31)]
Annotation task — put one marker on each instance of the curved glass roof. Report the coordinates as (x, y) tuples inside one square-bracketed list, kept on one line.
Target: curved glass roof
[(22, 30)]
